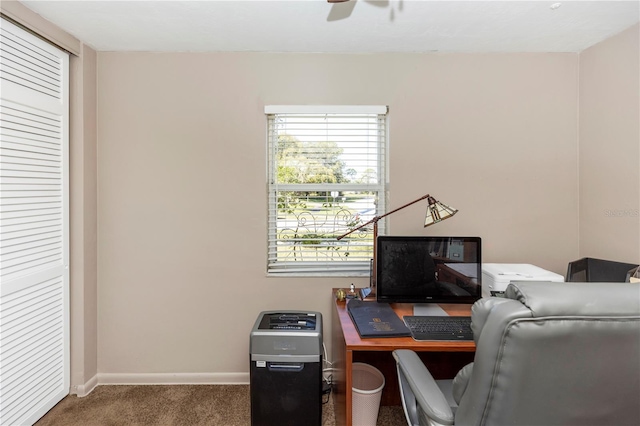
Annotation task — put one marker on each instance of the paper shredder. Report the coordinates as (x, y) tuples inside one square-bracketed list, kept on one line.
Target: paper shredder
[(286, 368)]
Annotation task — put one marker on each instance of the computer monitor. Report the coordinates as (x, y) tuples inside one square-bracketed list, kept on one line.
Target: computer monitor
[(428, 270)]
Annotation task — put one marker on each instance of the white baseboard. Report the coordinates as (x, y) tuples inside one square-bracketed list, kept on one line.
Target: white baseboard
[(173, 378), (84, 390)]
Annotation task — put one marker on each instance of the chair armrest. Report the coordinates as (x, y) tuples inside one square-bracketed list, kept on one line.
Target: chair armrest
[(426, 392)]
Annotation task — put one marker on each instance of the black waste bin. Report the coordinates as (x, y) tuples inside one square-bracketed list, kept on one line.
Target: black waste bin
[(286, 369)]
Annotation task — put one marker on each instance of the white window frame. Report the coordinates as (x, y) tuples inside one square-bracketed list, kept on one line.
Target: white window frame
[(336, 264)]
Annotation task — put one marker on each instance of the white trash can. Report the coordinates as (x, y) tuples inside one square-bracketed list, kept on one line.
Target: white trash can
[(366, 391)]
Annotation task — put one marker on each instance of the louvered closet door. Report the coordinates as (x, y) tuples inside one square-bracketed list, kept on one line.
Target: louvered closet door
[(34, 297)]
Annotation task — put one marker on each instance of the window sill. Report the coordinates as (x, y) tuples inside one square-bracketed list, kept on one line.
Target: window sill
[(324, 274)]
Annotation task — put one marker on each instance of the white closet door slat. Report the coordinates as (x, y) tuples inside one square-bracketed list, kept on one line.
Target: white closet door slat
[(34, 226)]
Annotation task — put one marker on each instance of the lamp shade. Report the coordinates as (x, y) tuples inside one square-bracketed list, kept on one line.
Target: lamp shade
[(437, 212)]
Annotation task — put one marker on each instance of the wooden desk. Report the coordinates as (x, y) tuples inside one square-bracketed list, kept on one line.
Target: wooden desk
[(444, 359)]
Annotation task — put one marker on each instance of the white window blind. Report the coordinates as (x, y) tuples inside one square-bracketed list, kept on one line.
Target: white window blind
[(327, 174)]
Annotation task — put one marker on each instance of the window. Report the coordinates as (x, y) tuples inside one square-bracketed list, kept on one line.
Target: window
[(327, 174)]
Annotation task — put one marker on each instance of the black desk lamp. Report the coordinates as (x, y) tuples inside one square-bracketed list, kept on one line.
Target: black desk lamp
[(436, 212)]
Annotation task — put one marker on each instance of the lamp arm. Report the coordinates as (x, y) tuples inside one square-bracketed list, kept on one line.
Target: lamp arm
[(377, 218), (402, 207), (374, 220)]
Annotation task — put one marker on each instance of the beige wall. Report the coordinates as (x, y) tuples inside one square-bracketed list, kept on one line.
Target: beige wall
[(182, 175), (181, 183), (83, 218), (610, 149)]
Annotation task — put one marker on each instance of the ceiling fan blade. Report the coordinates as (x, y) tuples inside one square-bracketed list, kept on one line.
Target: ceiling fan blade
[(341, 10), (337, 1)]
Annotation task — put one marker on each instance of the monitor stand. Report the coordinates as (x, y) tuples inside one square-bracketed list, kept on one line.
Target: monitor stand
[(428, 310)]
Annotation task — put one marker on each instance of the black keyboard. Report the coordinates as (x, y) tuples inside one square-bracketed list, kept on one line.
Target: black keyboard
[(439, 328)]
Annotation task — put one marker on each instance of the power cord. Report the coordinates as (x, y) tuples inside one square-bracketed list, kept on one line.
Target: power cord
[(327, 378), (326, 390)]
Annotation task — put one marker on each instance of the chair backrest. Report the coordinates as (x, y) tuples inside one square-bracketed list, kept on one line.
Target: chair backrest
[(556, 353), (589, 269)]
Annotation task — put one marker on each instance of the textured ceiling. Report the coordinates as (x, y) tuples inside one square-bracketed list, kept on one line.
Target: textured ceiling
[(360, 26)]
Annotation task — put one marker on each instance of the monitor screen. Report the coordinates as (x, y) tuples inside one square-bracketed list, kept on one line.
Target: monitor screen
[(428, 269)]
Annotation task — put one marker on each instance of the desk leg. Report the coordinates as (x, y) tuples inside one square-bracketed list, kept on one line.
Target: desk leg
[(339, 355), (348, 370)]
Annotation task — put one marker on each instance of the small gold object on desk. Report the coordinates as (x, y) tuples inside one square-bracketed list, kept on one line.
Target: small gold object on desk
[(341, 294)]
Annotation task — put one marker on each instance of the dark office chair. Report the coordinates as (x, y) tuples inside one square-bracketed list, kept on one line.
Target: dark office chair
[(589, 269), (546, 354)]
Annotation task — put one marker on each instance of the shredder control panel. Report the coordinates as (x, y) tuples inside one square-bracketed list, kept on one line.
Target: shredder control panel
[(288, 321)]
